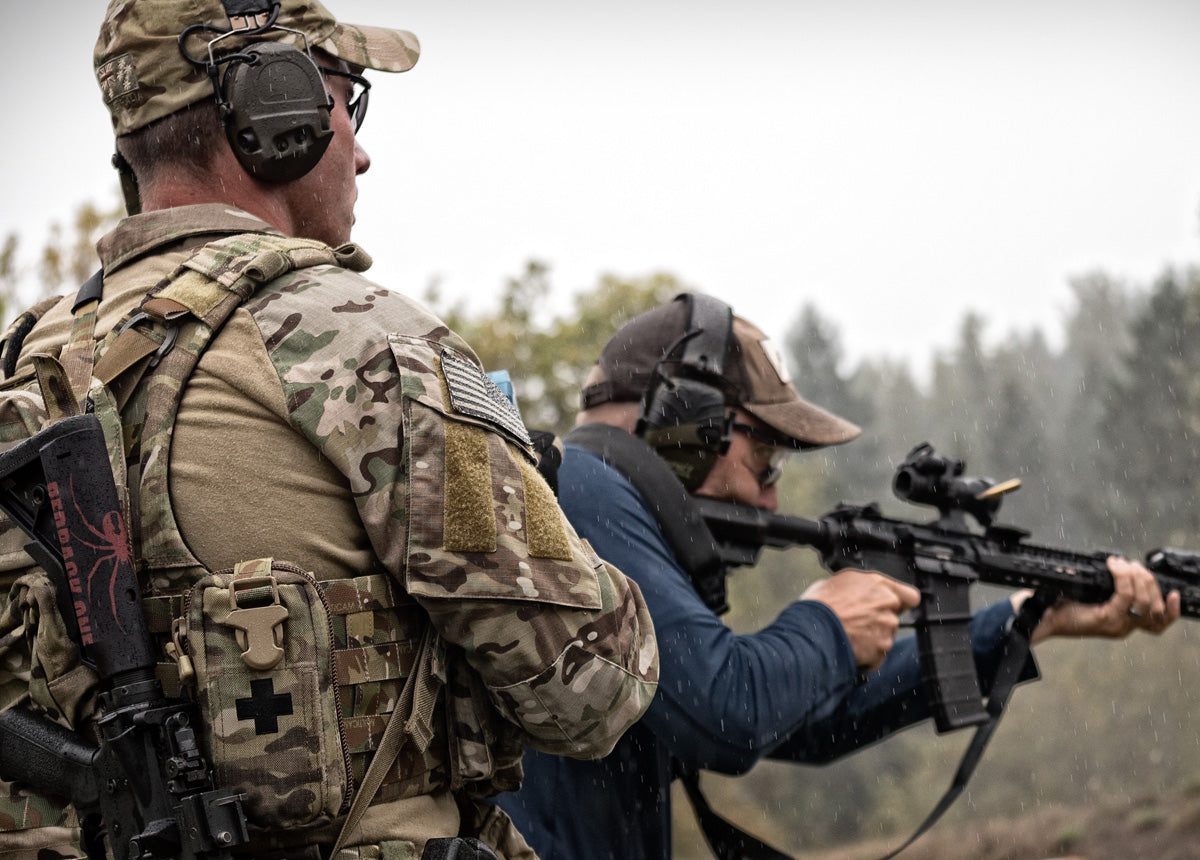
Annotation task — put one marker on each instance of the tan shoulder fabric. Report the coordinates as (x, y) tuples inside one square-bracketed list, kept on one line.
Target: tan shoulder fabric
[(232, 403)]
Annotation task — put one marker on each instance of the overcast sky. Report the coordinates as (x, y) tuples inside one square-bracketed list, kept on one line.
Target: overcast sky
[(896, 163)]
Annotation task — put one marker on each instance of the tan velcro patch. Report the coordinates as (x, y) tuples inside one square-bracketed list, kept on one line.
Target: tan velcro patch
[(543, 522), (470, 520)]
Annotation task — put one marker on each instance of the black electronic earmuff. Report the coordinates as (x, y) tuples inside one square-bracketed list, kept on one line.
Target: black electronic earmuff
[(683, 416), (276, 111), (271, 96)]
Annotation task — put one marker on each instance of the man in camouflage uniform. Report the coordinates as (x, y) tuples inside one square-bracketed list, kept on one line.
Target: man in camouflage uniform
[(342, 428)]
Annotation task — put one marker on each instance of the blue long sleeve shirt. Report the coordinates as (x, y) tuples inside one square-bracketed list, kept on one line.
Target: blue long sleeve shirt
[(724, 700)]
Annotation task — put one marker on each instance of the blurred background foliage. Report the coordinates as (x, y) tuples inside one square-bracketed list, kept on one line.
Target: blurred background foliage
[(1103, 429)]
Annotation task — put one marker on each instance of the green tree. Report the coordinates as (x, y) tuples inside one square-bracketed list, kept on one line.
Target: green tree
[(960, 392), (1150, 433), (900, 418), (1097, 336), (816, 360), (548, 358), (1017, 410), (65, 261), (10, 275)]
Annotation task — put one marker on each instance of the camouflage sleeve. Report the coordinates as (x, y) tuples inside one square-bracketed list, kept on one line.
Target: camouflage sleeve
[(448, 491)]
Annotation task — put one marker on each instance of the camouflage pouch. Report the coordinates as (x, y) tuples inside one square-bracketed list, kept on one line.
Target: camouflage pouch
[(59, 685), (40, 664), (260, 641)]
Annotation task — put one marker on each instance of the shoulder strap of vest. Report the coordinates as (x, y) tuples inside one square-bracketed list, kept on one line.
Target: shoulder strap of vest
[(207, 287), (18, 330), (144, 364), (681, 523)]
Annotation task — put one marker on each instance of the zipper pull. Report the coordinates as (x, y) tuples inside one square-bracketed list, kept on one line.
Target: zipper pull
[(177, 651)]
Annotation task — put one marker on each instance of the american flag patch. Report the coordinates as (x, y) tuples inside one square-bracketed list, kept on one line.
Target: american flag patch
[(472, 393)]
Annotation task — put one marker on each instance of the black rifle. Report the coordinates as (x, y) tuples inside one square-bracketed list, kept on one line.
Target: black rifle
[(942, 559), (146, 790)]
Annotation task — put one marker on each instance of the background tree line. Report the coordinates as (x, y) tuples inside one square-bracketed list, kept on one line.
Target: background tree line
[(1103, 430)]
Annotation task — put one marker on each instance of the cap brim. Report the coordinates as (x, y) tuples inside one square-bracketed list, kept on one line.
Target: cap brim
[(807, 424), (378, 48)]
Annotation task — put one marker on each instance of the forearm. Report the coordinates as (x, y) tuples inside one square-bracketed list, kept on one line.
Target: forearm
[(725, 699), (571, 679), (893, 697)]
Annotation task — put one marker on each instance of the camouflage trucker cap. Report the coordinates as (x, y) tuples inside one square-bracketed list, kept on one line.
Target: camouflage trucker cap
[(754, 378), (144, 76)]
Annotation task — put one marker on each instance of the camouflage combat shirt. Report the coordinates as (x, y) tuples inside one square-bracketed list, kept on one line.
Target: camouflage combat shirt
[(343, 428)]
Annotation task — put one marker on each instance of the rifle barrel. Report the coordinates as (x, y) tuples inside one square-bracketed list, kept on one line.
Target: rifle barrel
[(859, 536)]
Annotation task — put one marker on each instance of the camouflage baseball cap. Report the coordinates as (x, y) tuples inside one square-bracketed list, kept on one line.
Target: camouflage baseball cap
[(144, 76), (754, 376)]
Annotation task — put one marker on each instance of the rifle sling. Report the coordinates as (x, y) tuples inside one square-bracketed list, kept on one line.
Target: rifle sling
[(672, 506), (696, 550), (727, 840), (1008, 674)]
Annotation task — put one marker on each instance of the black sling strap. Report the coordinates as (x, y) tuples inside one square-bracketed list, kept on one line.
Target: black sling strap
[(681, 524), (1008, 674), (727, 840)]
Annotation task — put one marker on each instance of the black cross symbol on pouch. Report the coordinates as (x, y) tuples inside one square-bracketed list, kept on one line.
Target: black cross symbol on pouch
[(264, 706)]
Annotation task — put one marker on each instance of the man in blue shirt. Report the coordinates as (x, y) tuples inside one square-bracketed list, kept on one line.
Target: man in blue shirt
[(707, 394)]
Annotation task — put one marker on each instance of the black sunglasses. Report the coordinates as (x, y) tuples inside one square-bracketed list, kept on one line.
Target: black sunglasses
[(356, 106), (769, 476), (763, 436)]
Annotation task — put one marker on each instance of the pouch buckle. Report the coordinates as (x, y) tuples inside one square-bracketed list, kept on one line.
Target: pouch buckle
[(257, 627)]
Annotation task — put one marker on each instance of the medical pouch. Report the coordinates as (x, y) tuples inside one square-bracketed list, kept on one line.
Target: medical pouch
[(259, 641)]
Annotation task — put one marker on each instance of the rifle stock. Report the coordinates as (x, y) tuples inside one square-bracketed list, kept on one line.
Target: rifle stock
[(942, 558), (158, 799)]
